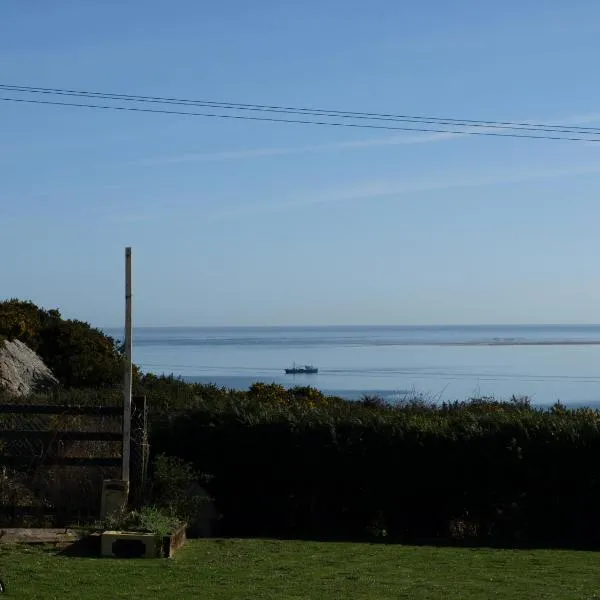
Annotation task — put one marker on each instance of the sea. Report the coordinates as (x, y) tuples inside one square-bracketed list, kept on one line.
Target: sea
[(547, 363)]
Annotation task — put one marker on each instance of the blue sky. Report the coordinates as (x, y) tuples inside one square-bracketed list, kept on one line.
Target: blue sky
[(254, 223)]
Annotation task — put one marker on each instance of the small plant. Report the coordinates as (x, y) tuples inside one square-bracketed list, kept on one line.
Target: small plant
[(377, 527), (174, 486), (149, 519)]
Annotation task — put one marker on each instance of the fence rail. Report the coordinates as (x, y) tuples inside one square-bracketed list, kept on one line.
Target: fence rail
[(48, 437), (53, 458), (46, 409), (66, 461)]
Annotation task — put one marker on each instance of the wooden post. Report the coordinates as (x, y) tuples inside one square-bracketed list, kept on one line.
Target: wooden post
[(128, 370)]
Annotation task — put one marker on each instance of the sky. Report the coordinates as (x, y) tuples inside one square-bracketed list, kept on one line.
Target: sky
[(251, 223)]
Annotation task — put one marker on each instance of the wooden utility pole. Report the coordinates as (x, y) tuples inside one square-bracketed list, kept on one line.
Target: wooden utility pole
[(128, 370)]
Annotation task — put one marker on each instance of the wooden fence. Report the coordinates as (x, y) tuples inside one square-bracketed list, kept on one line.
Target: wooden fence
[(53, 460)]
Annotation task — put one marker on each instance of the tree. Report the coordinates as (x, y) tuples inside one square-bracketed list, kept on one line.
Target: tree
[(78, 354)]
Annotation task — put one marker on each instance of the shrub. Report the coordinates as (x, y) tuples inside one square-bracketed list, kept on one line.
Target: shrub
[(174, 486), (296, 462), (78, 354), (502, 472), (148, 519)]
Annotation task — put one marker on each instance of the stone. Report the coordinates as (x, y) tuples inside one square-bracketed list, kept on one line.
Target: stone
[(22, 371)]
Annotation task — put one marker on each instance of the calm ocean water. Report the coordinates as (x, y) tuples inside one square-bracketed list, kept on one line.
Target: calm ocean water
[(546, 363)]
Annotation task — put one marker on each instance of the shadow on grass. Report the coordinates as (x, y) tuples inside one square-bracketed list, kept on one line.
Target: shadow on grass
[(88, 546), (424, 542)]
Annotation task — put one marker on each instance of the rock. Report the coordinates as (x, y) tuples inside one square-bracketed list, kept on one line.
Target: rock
[(22, 371)]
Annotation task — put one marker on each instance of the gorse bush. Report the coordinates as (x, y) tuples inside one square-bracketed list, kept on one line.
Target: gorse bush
[(78, 354), (24, 321)]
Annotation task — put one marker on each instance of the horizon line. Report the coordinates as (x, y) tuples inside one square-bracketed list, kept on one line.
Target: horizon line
[(355, 326)]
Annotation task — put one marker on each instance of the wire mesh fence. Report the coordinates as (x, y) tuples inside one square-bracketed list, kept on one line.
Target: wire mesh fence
[(54, 458)]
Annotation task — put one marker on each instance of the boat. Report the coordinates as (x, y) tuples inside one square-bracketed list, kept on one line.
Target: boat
[(306, 369)]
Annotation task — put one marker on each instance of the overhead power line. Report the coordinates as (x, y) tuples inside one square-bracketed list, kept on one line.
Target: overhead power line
[(299, 121), (302, 111), (450, 126)]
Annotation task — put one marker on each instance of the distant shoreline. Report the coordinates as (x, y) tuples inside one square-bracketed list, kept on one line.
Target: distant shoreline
[(355, 327), (379, 336), (506, 343)]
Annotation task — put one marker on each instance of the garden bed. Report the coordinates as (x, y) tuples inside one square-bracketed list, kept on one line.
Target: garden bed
[(141, 544)]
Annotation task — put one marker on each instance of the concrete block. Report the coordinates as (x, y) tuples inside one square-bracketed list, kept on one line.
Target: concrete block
[(130, 544)]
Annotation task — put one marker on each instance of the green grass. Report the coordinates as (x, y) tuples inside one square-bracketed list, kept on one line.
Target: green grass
[(274, 570)]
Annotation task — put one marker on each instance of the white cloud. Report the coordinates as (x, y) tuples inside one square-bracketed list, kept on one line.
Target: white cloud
[(374, 190), (83, 189), (384, 189), (390, 140), (141, 218), (396, 140), (582, 119)]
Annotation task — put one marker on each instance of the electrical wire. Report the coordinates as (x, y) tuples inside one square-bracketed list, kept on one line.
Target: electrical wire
[(305, 111), (301, 121)]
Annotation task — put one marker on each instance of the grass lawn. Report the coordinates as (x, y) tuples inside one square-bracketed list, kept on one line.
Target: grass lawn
[(256, 569)]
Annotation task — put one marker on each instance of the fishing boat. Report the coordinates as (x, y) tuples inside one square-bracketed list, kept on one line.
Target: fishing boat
[(306, 369)]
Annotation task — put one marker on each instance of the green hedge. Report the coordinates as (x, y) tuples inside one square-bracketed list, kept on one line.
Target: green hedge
[(498, 473), (297, 463)]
